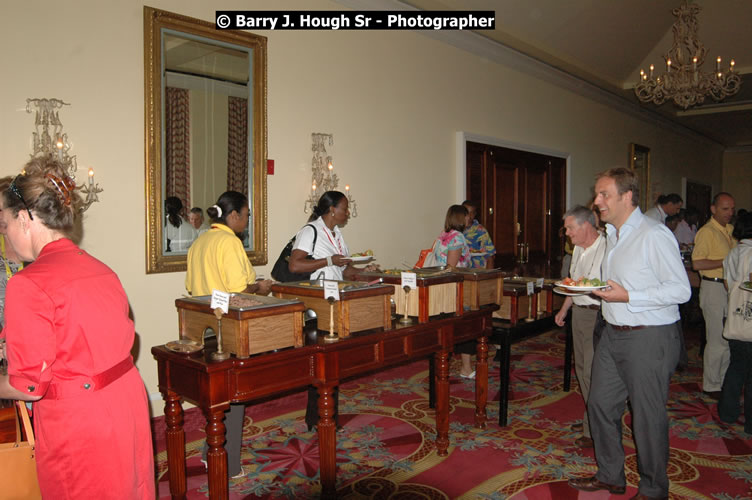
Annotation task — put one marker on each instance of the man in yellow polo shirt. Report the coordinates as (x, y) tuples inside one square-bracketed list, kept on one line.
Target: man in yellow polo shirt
[(712, 243)]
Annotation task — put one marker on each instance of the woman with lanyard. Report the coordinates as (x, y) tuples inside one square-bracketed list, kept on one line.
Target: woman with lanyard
[(217, 261), (328, 260)]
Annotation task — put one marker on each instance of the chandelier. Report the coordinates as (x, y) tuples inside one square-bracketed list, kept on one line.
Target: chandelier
[(48, 139), (684, 82), (323, 178)]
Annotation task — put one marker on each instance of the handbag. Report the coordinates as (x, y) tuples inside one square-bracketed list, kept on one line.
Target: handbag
[(281, 270), (427, 258), (18, 464)]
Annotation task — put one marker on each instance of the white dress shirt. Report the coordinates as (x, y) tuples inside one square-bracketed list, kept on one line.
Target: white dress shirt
[(586, 263), (656, 213), (644, 258)]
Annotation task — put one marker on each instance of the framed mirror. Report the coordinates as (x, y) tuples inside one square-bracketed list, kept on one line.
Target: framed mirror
[(639, 161), (205, 113)]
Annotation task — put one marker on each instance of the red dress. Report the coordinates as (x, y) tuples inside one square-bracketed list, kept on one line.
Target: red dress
[(67, 324)]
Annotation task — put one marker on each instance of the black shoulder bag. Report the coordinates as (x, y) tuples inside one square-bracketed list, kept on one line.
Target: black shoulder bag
[(281, 270)]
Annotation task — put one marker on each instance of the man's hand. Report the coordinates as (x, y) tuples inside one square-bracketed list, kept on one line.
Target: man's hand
[(614, 293), (340, 260), (560, 317)]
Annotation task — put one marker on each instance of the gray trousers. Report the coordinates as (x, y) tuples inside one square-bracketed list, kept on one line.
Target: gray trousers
[(583, 324), (634, 364), (715, 360), (234, 418)]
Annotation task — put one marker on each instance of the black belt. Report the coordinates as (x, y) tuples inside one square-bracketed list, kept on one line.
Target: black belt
[(590, 306), (717, 280), (628, 327)]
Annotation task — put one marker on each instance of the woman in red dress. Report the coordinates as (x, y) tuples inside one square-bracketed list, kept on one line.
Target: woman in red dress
[(68, 346)]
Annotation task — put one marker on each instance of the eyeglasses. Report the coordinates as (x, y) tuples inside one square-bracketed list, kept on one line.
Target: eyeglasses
[(14, 189)]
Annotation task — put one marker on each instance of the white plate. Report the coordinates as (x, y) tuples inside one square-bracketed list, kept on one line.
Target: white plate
[(580, 288), (362, 258), (745, 288), (562, 291)]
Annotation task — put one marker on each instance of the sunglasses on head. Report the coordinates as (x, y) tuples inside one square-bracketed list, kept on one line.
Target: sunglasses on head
[(14, 189)]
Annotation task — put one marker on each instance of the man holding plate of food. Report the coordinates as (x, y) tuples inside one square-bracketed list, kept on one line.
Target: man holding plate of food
[(637, 349)]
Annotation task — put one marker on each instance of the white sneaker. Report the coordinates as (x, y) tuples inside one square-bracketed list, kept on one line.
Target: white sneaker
[(471, 376)]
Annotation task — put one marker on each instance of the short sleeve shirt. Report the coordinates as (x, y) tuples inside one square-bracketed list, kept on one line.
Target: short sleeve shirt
[(328, 242), (713, 242), (479, 241), (452, 240), (217, 261)]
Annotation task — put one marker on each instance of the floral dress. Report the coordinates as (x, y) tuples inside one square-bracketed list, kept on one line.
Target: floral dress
[(452, 240)]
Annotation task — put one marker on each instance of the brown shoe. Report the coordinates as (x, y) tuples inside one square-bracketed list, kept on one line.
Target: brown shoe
[(640, 496), (592, 484), (577, 427), (584, 442)]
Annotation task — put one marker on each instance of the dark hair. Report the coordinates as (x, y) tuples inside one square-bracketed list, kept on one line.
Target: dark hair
[(625, 179), (718, 196), (471, 204), (669, 198), (228, 202), (45, 188), (671, 219), (581, 215), (197, 210), (173, 206), (743, 226), (328, 200), (455, 218)]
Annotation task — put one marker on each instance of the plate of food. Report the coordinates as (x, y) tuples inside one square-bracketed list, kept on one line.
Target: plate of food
[(582, 284), (563, 291), (361, 256), (747, 285)]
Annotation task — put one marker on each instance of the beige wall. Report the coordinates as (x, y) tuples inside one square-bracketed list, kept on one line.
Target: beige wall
[(393, 100), (737, 178)]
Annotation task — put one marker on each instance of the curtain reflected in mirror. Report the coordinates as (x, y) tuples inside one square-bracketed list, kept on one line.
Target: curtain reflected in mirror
[(639, 161), (209, 131)]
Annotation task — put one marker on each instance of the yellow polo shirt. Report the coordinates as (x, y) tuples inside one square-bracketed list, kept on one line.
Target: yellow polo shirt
[(217, 261), (713, 242)]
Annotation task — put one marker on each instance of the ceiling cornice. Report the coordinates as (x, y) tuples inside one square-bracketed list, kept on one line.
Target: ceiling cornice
[(494, 51)]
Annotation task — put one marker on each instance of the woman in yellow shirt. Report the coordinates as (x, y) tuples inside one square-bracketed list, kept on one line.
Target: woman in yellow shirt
[(217, 261)]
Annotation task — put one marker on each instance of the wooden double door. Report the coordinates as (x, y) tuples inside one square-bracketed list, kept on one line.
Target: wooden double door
[(522, 198)]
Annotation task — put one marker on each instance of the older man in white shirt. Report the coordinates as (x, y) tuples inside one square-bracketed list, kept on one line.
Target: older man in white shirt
[(665, 205), (637, 349), (589, 247)]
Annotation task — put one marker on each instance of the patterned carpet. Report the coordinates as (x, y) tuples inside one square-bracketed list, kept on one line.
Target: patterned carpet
[(386, 448)]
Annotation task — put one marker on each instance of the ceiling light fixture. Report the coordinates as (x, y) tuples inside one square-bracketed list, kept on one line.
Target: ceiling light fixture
[(684, 82)]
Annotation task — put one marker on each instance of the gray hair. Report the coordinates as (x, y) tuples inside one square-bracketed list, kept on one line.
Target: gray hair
[(581, 215)]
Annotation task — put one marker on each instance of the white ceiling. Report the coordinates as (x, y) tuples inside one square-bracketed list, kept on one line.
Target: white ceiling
[(606, 42)]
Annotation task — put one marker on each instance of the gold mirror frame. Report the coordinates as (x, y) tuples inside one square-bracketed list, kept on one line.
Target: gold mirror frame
[(639, 161), (154, 21)]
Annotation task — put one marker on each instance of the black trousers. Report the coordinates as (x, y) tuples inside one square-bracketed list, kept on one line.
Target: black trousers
[(738, 377)]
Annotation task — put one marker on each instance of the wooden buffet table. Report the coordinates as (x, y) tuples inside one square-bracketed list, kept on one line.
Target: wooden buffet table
[(214, 385)]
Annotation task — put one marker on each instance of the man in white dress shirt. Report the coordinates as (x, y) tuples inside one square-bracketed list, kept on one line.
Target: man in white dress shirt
[(637, 349), (589, 247), (667, 204)]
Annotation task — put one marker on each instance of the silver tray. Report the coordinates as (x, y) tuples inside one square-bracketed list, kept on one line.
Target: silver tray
[(266, 301)]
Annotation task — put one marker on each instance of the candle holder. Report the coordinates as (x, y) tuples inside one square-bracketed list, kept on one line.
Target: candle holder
[(219, 354), (406, 320), (332, 337), (48, 139), (323, 178)]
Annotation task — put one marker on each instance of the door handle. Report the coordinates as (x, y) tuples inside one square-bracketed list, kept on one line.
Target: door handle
[(490, 211), (519, 228)]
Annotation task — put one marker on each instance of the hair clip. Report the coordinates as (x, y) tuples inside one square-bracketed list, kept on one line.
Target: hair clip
[(64, 187)]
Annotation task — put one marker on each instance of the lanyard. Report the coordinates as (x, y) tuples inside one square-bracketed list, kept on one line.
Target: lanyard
[(339, 243), (8, 272)]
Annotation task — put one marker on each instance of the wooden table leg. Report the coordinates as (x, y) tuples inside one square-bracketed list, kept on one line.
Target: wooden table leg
[(327, 432), (175, 436), (442, 402), (217, 455), (431, 382), (506, 347), (481, 382)]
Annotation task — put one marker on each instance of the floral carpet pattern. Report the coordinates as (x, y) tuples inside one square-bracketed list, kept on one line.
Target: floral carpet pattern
[(386, 450)]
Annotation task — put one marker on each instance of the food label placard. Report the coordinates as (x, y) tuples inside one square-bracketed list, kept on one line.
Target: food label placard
[(331, 289), (530, 287), (539, 282), (409, 280), (221, 300)]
